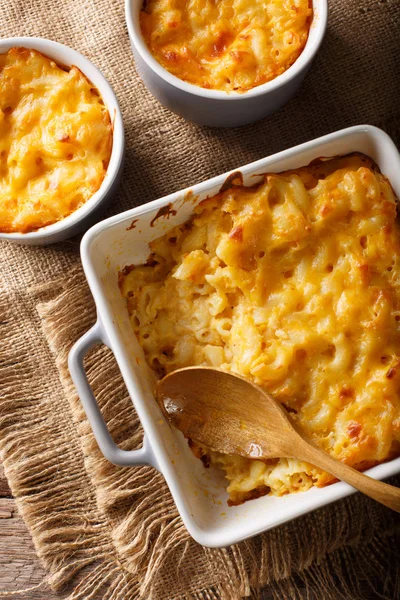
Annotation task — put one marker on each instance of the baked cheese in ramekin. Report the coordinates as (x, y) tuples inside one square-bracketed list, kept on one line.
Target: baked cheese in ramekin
[(55, 140), (226, 45)]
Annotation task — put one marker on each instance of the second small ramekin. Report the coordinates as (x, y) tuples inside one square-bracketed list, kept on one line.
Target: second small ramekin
[(217, 108)]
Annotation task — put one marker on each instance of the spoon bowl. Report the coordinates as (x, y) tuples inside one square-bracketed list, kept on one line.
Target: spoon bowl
[(229, 414)]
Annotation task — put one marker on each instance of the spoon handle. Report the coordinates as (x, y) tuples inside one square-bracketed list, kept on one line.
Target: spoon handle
[(384, 493)]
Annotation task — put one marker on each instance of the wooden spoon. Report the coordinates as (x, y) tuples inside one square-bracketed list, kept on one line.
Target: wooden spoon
[(232, 415)]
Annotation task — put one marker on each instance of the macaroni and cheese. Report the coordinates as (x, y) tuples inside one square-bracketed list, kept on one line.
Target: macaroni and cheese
[(55, 140), (230, 45), (295, 284)]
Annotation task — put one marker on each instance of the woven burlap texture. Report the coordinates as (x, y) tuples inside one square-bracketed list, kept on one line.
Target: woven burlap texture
[(118, 528)]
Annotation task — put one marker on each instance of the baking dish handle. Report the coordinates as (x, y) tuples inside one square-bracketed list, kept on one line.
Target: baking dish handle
[(111, 451)]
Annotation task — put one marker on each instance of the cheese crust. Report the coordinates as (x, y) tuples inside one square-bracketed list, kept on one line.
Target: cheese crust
[(55, 140), (295, 284), (229, 45)]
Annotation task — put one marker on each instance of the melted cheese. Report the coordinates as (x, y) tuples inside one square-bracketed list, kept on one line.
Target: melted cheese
[(55, 140), (295, 284), (226, 44)]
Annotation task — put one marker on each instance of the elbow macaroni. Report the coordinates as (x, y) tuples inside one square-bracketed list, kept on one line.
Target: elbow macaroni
[(230, 45), (295, 284), (55, 141)]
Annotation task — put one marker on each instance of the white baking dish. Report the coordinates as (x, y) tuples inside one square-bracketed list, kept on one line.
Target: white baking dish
[(199, 493)]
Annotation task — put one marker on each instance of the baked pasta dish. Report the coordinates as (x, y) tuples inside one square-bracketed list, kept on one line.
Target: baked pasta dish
[(55, 140), (295, 284), (229, 45)]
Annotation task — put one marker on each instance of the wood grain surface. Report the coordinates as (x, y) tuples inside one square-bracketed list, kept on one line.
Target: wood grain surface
[(19, 566)]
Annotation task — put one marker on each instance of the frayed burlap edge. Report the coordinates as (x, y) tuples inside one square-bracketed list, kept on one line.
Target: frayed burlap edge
[(118, 528)]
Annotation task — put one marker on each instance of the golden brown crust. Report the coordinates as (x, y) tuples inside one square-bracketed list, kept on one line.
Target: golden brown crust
[(227, 45), (55, 140), (295, 284)]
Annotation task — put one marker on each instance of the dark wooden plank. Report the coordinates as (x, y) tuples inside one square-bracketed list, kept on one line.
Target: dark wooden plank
[(5, 491), (20, 568)]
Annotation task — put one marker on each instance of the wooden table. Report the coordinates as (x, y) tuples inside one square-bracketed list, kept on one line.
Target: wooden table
[(19, 566)]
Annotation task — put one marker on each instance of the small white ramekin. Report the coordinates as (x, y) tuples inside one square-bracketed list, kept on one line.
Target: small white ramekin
[(216, 108), (84, 216)]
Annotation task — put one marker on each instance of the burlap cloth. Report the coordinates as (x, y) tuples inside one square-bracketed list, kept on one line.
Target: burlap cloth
[(114, 533)]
